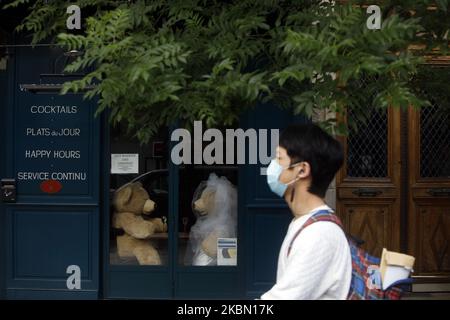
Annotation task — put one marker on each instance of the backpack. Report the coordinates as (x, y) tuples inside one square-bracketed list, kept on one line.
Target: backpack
[(366, 278)]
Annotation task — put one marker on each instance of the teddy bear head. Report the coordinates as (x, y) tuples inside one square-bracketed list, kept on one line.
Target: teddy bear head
[(133, 198), (204, 205)]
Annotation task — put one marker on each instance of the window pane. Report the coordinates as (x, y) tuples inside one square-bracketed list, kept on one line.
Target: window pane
[(435, 139), (139, 201), (208, 216), (367, 146)]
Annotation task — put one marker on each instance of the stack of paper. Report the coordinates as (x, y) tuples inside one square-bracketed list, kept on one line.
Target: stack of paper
[(395, 267)]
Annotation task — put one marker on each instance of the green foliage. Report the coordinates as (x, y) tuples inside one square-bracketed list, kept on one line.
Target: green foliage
[(15, 4), (156, 62)]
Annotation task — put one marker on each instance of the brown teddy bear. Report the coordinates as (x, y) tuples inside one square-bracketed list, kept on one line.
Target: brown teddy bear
[(215, 205), (131, 203)]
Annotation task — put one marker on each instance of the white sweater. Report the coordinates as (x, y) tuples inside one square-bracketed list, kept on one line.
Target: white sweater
[(319, 265)]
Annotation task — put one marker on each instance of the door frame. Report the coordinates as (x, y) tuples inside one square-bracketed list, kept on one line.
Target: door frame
[(4, 97)]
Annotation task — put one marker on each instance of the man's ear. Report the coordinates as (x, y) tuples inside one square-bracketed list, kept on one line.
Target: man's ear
[(304, 170)]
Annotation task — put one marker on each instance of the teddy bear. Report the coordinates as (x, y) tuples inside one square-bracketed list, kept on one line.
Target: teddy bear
[(132, 208), (215, 207)]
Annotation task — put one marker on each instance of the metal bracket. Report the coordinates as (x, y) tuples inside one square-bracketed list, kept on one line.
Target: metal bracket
[(439, 192), (367, 192)]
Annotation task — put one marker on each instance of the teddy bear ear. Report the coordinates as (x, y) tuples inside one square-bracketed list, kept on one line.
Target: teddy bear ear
[(211, 194), (126, 195)]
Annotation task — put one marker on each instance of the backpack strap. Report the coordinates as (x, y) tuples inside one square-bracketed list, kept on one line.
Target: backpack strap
[(322, 215)]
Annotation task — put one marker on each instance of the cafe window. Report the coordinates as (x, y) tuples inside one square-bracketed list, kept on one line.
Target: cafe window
[(206, 212)]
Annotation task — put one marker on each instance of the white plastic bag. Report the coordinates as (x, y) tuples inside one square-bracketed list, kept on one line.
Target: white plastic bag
[(221, 219)]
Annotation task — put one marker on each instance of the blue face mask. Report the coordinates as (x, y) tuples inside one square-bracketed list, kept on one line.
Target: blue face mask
[(273, 175)]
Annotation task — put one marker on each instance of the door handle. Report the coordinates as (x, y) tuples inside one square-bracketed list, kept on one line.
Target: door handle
[(367, 192), (439, 192), (8, 190)]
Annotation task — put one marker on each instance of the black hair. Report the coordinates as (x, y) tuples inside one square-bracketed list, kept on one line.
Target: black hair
[(310, 143)]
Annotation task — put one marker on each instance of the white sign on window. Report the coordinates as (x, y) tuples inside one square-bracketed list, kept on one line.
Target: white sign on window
[(226, 251), (124, 163)]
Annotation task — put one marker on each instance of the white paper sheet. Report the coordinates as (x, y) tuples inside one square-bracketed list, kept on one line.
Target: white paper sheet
[(124, 163)]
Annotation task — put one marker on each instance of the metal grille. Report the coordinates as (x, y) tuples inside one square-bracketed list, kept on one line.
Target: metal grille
[(435, 140), (367, 147)]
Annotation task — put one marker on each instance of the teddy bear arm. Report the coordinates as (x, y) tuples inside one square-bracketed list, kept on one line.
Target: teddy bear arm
[(159, 224), (136, 226), (209, 245)]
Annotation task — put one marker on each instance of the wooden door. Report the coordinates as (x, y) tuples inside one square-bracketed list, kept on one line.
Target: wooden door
[(368, 185), (394, 188), (429, 185)]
